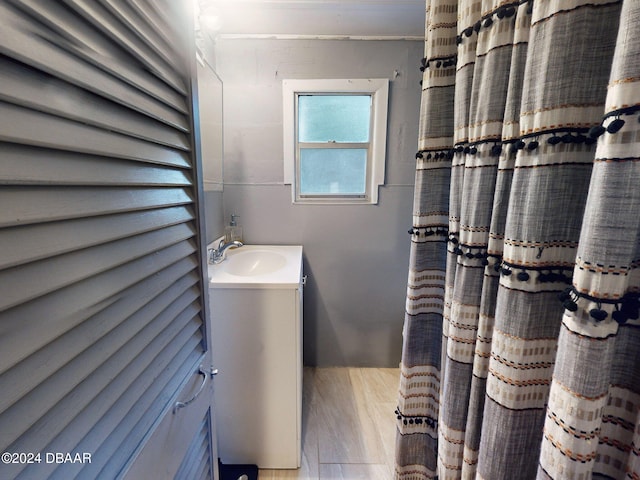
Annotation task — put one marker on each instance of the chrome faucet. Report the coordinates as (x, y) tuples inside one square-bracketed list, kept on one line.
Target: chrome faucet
[(217, 255)]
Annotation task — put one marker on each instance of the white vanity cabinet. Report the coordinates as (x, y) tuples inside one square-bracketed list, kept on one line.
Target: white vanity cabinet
[(256, 343)]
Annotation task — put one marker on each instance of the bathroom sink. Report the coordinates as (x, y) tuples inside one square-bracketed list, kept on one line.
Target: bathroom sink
[(248, 263), (251, 266), (255, 300)]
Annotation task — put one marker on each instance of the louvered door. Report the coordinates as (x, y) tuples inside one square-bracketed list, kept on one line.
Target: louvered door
[(102, 291)]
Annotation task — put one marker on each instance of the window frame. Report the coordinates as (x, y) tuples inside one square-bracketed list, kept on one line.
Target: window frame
[(378, 89)]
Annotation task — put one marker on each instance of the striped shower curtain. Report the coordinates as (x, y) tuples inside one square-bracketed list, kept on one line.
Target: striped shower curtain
[(521, 354)]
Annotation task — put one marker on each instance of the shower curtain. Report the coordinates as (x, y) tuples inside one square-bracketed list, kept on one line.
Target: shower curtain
[(521, 354)]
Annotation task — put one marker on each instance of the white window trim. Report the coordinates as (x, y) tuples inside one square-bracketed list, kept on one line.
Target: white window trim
[(378, 88)]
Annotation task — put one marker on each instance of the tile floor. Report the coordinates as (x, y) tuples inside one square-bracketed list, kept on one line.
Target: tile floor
[(348, 425)]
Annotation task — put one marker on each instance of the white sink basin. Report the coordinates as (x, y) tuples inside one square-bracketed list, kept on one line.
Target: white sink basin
[(264, 266), (248, 263)]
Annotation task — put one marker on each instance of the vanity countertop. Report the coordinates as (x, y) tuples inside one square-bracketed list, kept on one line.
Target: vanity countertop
[(258, 266)]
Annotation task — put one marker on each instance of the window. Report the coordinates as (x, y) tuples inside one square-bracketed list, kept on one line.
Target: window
[(335, 139)]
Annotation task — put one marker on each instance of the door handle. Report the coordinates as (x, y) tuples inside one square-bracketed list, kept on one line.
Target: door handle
[(205, 377)]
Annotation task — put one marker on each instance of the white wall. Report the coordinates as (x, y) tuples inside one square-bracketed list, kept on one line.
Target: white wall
[(357, 256)]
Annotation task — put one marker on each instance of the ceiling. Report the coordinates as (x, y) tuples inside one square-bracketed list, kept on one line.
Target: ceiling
[(315, 18)]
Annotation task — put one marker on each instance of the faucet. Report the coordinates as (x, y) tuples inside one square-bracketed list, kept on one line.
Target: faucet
[(217, 255)]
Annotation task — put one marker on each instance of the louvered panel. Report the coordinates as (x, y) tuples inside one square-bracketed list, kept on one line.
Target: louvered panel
[(24, 244), (196, 464), (103, 20), (17, 288), (155, 402), (138, 79), (66, 23), (22, 164), (33, 412), (126, 386), (155, 21), (110, 460), (140, 26), (24, 86), (35, 128), (70, 66), (191, 465), (163, 12), (205, 473), (118, 451), (60, 19), (21, 331), (102, 280), (149, 407), (178, 359), (124, 317), (34, 204)]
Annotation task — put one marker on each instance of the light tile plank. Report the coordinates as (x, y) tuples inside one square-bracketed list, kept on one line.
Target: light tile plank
[(381, 384), (354, 472), (385, 422), (346, 433), (348, 425)]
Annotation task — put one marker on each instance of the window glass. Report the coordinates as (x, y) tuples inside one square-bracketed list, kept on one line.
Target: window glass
[(334, 139), (336, 171), (334, 118)]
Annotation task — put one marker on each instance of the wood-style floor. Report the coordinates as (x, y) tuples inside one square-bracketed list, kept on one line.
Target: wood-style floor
[(348, 425)]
